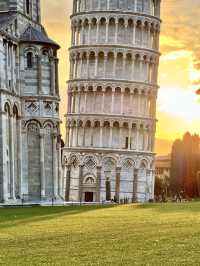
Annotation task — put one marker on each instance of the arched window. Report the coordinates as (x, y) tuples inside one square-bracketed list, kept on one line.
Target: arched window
[(28, 7), (90, 181), (29, 60)]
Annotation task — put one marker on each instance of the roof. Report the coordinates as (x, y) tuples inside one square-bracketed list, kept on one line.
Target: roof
[(163, 158), (35, 36), (6, 18)]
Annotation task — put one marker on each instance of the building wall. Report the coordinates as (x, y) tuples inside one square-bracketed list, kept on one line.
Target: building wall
[(30, 157)]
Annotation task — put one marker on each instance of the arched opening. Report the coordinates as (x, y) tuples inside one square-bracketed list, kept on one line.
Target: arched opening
[(33, 152), (48, 158), (115, 139), (96, 134), (28, 7), (29, 60)]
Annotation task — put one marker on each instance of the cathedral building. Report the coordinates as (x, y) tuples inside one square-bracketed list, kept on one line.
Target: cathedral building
[(30, 153), (112, 92)]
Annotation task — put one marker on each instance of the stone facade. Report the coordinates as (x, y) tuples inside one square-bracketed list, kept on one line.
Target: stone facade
[(30, 153), (111, 117)]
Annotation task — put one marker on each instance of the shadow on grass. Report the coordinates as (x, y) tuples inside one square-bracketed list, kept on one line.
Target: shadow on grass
[(12, 217), (171, 207)]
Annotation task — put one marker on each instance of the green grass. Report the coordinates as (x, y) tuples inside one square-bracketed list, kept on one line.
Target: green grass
[(157, 234)]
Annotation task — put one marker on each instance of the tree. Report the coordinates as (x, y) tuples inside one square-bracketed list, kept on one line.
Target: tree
[(185, 163)]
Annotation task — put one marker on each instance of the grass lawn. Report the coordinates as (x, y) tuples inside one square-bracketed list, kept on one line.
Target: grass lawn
[(157, 234)]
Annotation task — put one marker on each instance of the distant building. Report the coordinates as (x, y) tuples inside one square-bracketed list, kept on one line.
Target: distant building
[(30, 153), (163, 167)]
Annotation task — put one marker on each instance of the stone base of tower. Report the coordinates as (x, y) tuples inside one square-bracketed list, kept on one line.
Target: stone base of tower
[(42, 202), (102, 176)]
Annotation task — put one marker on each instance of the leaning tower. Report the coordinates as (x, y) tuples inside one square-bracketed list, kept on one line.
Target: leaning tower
[(112, 92)]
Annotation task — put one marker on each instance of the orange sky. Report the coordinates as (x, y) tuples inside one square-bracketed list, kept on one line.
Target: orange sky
[(178, 109)]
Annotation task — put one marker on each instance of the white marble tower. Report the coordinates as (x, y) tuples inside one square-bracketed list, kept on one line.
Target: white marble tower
[(111, 117)]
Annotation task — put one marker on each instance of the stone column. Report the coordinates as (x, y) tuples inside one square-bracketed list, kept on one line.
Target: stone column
[(133, 68), (79, 6), (134, 28), (113, 101), (131, 103), (94, 103), (81, 66), (116, 32), (108, 4), (72, 35), (105, 64), (6, 64), (103, 100), (71, 135), (69, 101), (89, 32), (68, 183), (77, 35), (12, 66), (74, 6), (12, 158), (72, 102), (107, 27), (111, 136), (135, 185), (3, 188), (141, 67), (56, 74), (122, 102), (146, 140), (76, 144), (135, 5), (55, 166), (124, 67), (19, 156), (39, 74), (120, 136), (92, 134), (52, 75), (85, 102), (129, 136), (84, 135), (71, 68), (157, 40), (117, 184), (88, 64), (76, 67), (149, 37), (67, 136), (138, 138), (115, 65), (79, 102), (96, 65), (97, 33), (139, 104), (101, 136), (98, 196), (42, 167), (126, 29), (80, 183)]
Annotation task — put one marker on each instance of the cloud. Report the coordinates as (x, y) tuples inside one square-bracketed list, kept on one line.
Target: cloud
[(180, 24)]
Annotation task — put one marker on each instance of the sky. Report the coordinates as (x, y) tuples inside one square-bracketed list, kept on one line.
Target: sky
[(178, 106)]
